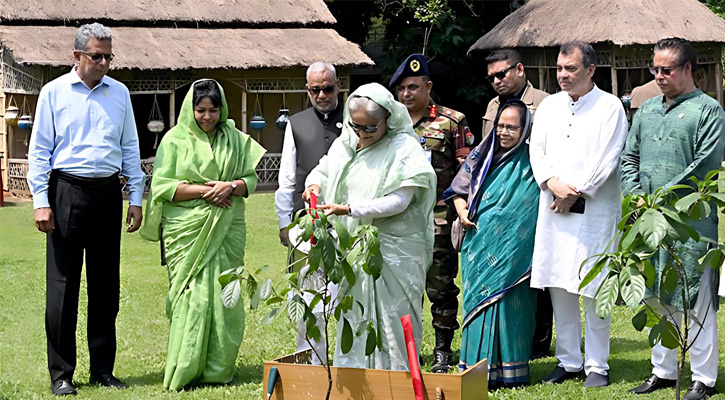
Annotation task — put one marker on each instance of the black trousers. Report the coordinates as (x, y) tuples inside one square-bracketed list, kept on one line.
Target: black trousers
[(87, 221)]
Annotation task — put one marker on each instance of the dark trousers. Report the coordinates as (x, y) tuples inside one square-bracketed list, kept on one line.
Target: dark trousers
[(543, 331), (440, 282), (87, 219)]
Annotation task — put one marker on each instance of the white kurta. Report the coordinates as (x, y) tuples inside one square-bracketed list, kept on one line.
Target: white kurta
[(578, 142)]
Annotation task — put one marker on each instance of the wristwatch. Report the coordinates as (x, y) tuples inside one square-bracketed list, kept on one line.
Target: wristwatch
[(234, 186)]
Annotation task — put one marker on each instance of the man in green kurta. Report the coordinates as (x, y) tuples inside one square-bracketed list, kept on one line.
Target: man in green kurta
[(674, 137)]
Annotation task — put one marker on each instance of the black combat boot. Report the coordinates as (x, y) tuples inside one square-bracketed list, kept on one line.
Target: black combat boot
[(442, 353)]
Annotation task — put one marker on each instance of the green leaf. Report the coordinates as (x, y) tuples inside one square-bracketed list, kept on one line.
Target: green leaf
[(670, 278), (346, 303), (274, 300), (254, 299), (681, 225), (639, 321), (629, 239), (314, 333), (653, 228), (251, 287), (334, 273), (632, 285), (594, 272), (231, 293), (607, 296), (371, 340), (296, 309), (329, 253), (670, 336), (656, 332), (346, 337), (685, 204), (719, 198), (713, 259), (314, 258), (349, 272), (343, 236), (316, 298), (227, 276), (266, 290), (648, 270)]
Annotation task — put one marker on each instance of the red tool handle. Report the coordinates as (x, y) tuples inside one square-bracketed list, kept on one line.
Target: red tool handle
[(412, 357), (313, 205)]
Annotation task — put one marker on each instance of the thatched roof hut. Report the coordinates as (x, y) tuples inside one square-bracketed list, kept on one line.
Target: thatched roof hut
[(622, 32), (257, 49)]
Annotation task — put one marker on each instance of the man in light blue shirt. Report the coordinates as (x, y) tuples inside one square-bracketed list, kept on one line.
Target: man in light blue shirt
[(84, 137)]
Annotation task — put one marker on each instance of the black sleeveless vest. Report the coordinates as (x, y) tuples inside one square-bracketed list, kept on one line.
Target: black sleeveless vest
[(312, 140)]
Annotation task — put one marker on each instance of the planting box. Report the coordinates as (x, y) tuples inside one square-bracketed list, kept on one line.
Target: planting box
[(300, 380)]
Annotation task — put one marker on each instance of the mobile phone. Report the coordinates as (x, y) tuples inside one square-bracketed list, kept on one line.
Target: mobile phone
[(578, 206)]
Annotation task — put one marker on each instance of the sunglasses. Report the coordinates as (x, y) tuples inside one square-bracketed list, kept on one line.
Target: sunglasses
[(96, 57), (316, 90), (364, 128), (500, 74), (665, 71)]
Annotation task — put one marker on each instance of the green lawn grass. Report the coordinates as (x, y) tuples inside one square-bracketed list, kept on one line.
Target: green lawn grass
[(142, 325)]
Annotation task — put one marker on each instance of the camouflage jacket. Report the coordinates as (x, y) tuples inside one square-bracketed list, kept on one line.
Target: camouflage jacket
[(445, 138)]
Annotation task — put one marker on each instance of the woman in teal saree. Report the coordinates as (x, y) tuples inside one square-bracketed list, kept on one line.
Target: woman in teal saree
[(204, 168), (496, 198)]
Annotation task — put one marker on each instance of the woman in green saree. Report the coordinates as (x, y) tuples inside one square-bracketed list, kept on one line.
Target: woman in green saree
[(496, 198), (377, 174), (204, 168)]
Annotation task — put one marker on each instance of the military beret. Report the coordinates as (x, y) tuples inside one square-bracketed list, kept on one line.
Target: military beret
[(414, 65)]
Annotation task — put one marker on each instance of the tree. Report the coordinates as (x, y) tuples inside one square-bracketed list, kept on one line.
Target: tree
[(336, 257), (652, 224)]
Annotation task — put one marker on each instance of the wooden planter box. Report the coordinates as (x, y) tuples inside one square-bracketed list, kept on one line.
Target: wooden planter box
[(300, 380)]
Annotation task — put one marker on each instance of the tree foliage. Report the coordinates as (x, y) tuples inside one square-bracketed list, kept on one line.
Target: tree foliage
[(651, 224)]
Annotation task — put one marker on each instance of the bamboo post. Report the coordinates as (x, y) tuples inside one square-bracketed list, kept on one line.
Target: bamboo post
[(615, 88), (172, 108)]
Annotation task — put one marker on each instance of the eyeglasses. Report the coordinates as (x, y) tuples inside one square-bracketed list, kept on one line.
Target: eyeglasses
[(364, 128), (96, 57), (665, 71), (507, 128), (500, 74), (316, 90)]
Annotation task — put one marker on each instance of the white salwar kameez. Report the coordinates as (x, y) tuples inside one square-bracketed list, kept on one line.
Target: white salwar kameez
[(579, 143)]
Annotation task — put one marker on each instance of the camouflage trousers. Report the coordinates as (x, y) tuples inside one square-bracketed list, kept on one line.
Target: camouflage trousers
[(440, 282)]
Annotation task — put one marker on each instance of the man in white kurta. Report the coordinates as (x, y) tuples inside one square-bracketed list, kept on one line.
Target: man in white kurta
[(575, 144)]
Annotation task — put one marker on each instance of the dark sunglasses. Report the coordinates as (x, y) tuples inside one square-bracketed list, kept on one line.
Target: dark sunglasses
[(96, 57), (364, 128), (500, 74), (316, 90), (665, 71)]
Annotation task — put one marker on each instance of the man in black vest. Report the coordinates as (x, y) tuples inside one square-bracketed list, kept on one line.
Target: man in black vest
[(307, 138)]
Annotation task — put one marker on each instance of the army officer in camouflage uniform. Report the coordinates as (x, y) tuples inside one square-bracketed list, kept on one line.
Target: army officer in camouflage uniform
[(445, 137)]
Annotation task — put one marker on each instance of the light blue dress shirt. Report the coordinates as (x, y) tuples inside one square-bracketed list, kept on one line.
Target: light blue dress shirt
[(84, 132)]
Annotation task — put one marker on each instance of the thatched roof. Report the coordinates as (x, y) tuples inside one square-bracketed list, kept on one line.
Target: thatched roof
[(174, 49), (219, 11), (545, 23)]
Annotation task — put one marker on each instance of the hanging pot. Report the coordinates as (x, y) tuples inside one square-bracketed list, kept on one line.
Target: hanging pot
[(25, 122), (11, 115), (257, 122), (283, 119), (155, 125)]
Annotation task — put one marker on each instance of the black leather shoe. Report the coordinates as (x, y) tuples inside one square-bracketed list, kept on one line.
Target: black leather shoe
[(63, 387), (109, 381), (560, 375), (653, 383), (698, 391), (596, 380)]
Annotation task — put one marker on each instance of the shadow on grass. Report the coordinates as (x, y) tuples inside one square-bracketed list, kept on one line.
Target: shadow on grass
[(248, 374)]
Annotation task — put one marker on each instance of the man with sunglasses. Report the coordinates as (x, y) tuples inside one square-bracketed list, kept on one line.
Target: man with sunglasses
[(308, 136), (508, 79), (675, 136), (445, 137), (84, 137)]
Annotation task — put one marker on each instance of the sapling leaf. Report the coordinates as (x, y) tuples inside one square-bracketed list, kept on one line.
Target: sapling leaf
[(343, 236), (670, 336), (670, 278), (656, 332), (270, 316), (686, 203), (314, 333), (349, 272), (653, 228), (607, 296), (296, 309), (266, 290), (594, 271), (639, 321), (231, 293), (632, 285), (648, 270), (371, 340), (227, 276), (346, 337)]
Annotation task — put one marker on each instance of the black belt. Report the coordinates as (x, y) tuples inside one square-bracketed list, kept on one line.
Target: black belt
[(84, 181)]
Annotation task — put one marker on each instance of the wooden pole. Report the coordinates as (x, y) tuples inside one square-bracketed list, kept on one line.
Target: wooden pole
[(172, 109), (615, 86), (718, 77)]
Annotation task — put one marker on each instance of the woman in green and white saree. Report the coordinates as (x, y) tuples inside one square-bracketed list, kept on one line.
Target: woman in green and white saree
[(496, 198), (204, 168), (377, 174)]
